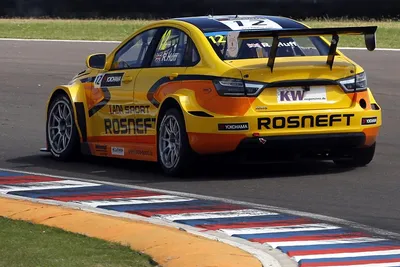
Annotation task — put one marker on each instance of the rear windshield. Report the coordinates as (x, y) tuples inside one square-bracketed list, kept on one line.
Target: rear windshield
[(260, 47)]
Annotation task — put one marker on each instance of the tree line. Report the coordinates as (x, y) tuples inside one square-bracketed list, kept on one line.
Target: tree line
[(176, 8)]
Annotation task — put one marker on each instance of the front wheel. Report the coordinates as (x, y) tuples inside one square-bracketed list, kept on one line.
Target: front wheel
[(174, 152), (61, 132), (361, 157)]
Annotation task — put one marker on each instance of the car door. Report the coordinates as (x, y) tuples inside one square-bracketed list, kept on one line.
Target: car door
[(169, 61), (113, 122)]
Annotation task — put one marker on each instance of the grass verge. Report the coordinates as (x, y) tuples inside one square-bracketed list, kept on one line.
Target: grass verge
[(26, 244), (117, 30)]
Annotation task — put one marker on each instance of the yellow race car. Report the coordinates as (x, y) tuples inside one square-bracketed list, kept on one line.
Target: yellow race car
[(264, 88)]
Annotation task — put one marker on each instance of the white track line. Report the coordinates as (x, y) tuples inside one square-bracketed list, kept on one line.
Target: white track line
[(45, 186), (388, 264), (314, 216), (332, 241), (216, 215), (117, 42), (280, 229), (348, 255), (134, 201)]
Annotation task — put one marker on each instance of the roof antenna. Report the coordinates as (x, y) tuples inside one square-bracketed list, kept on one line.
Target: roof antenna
[(236, 16), (212, 13)]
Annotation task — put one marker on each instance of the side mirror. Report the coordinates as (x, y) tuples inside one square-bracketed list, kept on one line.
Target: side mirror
[(96, 61)]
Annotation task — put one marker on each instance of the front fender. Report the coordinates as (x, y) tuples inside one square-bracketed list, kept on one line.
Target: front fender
[(76, 94)]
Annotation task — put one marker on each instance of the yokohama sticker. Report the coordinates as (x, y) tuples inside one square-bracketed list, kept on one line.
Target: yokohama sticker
[(112, 79), (369, 121), (243, 126)]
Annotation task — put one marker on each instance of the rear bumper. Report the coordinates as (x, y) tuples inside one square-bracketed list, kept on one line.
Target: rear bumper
[(302, 142), (327, 129), (291, 147), (333, 143)]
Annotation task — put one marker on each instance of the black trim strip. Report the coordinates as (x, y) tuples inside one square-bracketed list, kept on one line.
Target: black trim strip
[(88, 80), (201, 114), (163, 80), (291, 83), (81, 117), (101, 104)]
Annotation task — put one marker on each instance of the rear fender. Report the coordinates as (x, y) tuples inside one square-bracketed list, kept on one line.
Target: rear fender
[(187, 102), (372, 98)]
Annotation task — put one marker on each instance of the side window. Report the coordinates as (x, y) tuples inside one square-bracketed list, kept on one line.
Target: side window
[(132, 54), (171, 49), (192, 56)]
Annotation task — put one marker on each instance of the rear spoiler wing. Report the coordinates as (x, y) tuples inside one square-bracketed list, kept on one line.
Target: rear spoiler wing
[(369, 33)]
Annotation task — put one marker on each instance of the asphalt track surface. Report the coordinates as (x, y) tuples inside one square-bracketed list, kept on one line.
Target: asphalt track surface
[(369, 195)]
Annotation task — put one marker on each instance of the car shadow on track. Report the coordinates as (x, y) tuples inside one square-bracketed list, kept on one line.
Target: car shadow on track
[(146, 172)]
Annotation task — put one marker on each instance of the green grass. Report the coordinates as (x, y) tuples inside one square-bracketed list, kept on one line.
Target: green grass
[(388, 35), (30, 245)]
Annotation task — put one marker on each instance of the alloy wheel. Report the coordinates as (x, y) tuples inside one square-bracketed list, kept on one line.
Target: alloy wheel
[(59, 128), (170, 141)]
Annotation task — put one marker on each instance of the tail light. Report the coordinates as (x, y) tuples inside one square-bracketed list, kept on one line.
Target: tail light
[(237, 87), (356, 83)]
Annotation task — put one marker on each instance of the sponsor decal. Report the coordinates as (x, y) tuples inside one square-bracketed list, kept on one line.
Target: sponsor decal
[(232, 48), (243, 126), (97, 80), (101, 149), (121, 109), (307, 121), (112, 80), (261, 108), (140, 152), (265, 44), (119, 151), (166, 56), (129, 126), (298, 94), (369, 121)]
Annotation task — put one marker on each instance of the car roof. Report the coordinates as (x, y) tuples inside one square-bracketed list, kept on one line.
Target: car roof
[(224, 22)]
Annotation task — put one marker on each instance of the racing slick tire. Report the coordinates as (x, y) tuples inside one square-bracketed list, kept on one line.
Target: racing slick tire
[(361, 157), (61, 132), (174, 152)]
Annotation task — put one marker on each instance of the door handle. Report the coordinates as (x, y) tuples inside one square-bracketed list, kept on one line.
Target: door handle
[(173, 76), (127, 79)]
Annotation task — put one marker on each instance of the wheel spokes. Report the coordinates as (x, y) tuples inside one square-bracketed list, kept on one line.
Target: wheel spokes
[(60, 126), (169, 141)]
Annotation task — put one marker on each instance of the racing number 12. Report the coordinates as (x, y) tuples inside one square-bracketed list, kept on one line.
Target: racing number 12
[(259, 22)]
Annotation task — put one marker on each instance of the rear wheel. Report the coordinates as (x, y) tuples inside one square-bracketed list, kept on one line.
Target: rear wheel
[(174, 152), (61, 132), (361, 157)]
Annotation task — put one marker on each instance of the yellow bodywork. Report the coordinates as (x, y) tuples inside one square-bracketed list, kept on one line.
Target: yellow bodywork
[(129, 120)]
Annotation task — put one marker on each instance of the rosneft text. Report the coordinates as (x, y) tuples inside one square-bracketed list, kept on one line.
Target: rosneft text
[(303, 121), (129, 126)]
